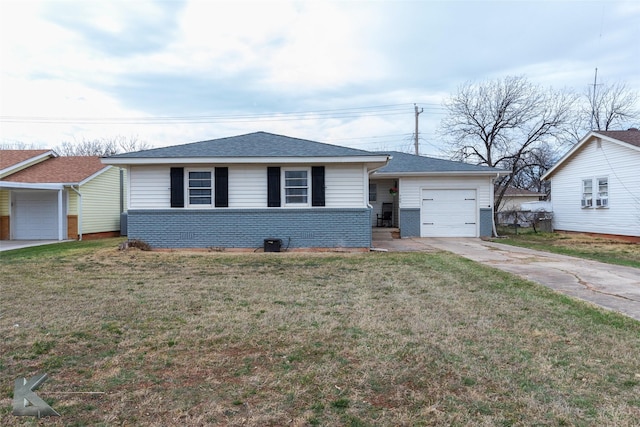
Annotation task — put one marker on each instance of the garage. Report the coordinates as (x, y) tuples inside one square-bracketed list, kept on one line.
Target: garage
[(35, 215), (449, 213)]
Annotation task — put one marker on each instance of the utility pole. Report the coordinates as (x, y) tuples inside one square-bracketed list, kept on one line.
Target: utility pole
[(593, 99), (415, 106)]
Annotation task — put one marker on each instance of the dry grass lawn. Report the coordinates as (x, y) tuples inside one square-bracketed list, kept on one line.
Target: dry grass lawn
[(377, 339), (604, 249)]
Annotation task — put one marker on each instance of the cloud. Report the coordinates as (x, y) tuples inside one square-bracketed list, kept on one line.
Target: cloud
[(194, 57)]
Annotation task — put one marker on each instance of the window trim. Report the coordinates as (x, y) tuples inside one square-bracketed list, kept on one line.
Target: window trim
[(284, 187), (187, 187)]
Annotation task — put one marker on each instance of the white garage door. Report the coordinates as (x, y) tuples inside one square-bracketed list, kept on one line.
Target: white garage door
[(35, 215), (448, 213)]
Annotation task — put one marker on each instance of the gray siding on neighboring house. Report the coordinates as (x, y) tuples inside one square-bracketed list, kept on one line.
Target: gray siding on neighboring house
[(237, 228), (410, 222)]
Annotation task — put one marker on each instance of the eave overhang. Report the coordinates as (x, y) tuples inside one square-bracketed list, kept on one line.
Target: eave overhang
[(372, 161)]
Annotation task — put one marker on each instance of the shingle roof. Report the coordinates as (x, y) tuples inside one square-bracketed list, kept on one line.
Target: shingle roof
[(13, 157), (72, 169), (410, 163), (514, 192), (258, 144), (631, 136)]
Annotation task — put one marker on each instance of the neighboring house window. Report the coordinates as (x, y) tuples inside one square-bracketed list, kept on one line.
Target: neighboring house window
[(587, 193), (296, 187), (373, 192), (602, 201), (199, 187)]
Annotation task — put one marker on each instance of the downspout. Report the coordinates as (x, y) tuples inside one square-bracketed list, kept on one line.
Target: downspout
[(79, 211)]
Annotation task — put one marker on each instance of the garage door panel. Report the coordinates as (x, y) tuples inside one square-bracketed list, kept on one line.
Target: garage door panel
[(449, 213), (35, 215)]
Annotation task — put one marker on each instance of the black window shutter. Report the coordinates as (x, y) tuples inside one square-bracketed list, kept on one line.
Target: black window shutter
[(317, 186), (222, 187), (177, 187), (273, 186)]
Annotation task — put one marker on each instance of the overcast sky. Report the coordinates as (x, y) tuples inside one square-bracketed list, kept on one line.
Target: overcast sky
[(344, 72)]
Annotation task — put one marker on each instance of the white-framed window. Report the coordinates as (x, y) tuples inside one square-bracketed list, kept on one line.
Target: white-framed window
[(602, 199), (296, 186), (587, 193), (199, 187), (373, 192)]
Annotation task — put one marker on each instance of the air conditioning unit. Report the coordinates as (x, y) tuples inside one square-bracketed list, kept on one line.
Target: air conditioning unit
[(587, 203), (602, 203)]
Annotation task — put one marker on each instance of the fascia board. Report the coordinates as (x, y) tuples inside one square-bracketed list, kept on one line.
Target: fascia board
[(26, 163), (449, 174), (30, 186), (242, 160)]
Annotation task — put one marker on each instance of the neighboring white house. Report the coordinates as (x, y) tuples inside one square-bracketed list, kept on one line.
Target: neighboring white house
[(514, 198), (512, 203), (46, 197), (595, 187), (242, 191)]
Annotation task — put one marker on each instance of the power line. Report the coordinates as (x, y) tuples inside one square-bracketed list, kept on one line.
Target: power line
[(342, 113)]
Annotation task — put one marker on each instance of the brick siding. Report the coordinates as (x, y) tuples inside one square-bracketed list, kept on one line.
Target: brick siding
[(237, 228)]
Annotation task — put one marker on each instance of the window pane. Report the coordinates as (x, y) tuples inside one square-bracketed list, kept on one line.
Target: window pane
[(373, 192), (295, 174), (200, 200), (200, 175)]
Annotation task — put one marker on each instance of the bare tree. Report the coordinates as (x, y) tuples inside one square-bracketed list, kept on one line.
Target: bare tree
[(611, 106), (101, 147), (504, 123), (19, 146)]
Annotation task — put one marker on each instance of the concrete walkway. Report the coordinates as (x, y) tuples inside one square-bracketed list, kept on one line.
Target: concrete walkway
[(610, 286)]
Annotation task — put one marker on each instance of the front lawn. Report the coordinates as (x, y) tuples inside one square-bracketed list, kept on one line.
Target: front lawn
[(203, 338), (612, 251)]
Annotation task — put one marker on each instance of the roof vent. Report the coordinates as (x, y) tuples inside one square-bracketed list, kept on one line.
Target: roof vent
[(634, 129)]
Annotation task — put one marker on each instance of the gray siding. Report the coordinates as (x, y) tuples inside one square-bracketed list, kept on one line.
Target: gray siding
[(410, 222), (486, 222), (236, 228)]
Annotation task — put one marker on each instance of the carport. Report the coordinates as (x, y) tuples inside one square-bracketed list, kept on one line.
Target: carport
[(36, 211)]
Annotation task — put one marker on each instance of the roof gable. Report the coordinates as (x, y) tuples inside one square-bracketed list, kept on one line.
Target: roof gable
[(626, 138), (403, 163), (72, 169), (258, 144), (12, 161)]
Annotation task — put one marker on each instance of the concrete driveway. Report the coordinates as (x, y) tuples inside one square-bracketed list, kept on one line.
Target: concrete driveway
[(8, 245), (610, 286)]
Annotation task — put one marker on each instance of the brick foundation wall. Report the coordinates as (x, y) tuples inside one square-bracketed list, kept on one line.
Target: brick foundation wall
[(236, 228), (410, 222), (72, 227), (4, 227)]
